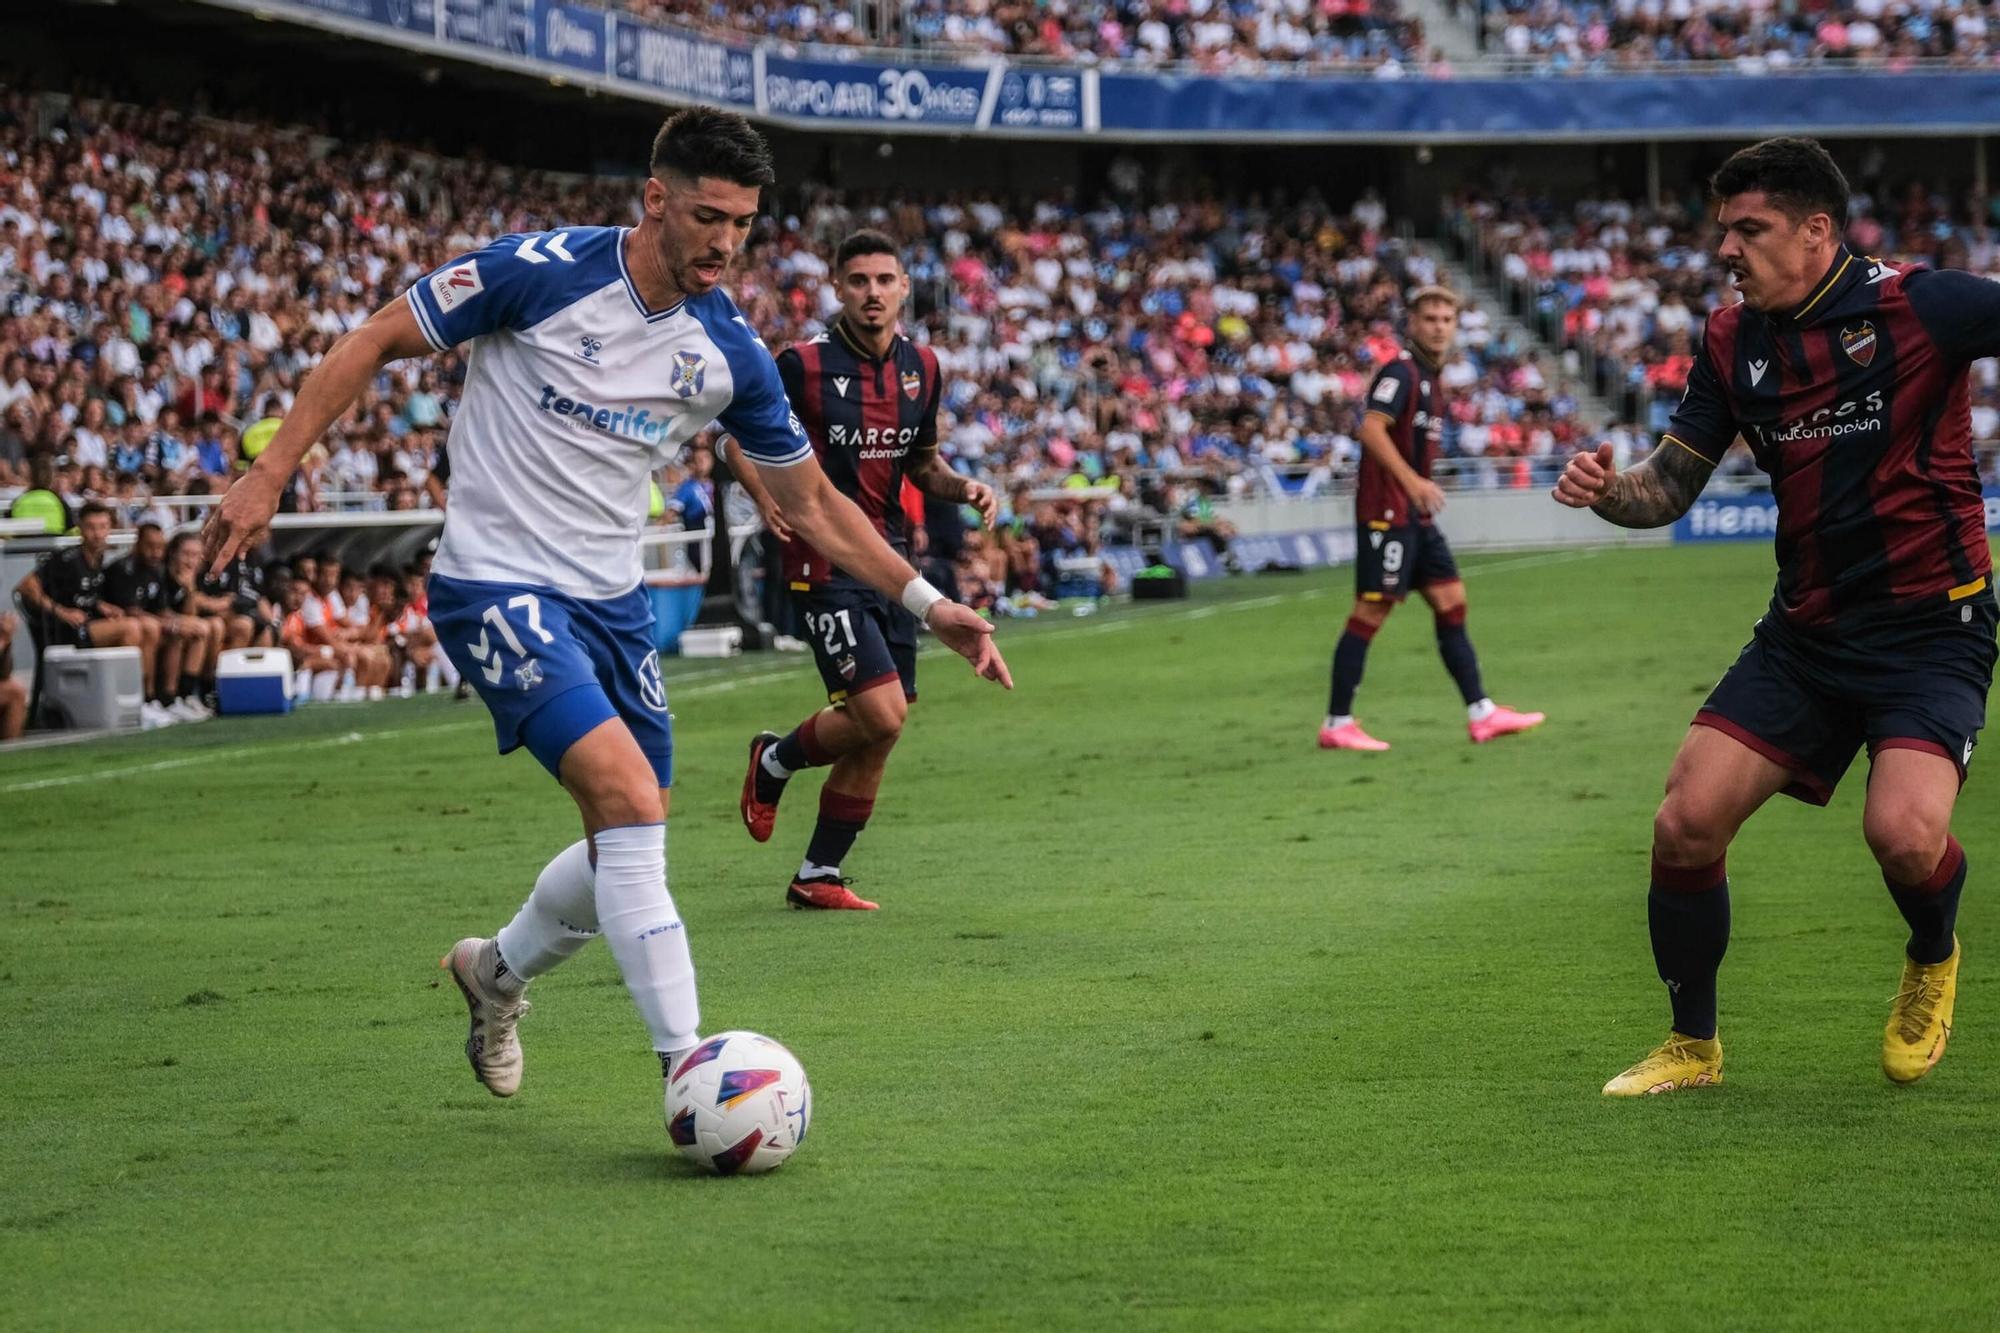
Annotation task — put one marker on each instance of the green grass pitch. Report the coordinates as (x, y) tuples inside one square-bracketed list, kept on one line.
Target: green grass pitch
[(1169, 1020)]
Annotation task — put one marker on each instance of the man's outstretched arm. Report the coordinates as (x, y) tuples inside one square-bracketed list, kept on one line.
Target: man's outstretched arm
[(1650, 495)]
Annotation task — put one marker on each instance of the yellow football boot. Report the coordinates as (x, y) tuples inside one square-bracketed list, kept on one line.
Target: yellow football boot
[(1920, 1019), (1684, 1062)]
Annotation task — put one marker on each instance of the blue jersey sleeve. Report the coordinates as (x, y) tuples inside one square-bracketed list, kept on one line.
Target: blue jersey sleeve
[(759, 415), (1705, 422), (1960, 312), (489, 289)]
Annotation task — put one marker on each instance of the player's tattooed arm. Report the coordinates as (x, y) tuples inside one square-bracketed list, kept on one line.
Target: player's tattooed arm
[(1657, 491), (933, 476), (1651, 495)]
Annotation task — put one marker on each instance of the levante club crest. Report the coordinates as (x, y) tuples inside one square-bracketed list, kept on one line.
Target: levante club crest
[(1858, 341), (913, 384)]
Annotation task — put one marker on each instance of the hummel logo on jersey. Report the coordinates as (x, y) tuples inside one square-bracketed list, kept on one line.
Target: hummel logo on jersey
[(1757, 369), (591, 347), (456, 285), (553, 244), (840, 385)]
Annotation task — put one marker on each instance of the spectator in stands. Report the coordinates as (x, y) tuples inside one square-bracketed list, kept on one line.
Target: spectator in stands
[(65, 594), (13, 694)]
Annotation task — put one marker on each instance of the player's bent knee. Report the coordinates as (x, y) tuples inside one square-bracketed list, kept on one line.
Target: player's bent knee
[(1686, 836), (1906, 839)]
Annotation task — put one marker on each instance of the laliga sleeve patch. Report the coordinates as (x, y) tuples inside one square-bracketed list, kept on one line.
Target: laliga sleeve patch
[(453, 287), (1385, 392)]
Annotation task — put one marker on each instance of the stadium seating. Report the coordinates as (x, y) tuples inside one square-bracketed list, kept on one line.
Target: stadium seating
[(1232, 340), (1214, 35)]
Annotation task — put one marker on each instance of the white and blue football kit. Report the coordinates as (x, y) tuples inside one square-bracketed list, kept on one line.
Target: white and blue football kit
[(574, 392)]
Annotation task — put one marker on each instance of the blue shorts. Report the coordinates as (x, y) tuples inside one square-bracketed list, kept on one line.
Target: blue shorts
[(552, 668)]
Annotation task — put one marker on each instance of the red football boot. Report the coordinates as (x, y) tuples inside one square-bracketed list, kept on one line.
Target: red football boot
[(760, 816), (826, 893)]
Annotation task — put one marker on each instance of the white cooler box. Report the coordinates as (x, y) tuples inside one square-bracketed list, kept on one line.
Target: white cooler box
[(254, 680), (712, 641), (94, 688)]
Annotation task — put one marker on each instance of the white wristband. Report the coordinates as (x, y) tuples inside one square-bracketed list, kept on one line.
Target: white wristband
[(919, 597)]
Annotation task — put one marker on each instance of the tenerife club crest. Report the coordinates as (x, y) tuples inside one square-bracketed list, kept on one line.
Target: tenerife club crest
[(690, 373), (1858, 341)]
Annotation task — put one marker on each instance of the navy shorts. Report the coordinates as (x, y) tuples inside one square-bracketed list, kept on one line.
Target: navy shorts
[(552, 668), (1391, 563), (860, 640), (1810, 703)]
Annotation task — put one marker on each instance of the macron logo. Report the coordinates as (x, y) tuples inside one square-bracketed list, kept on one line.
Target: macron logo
[(1757, 369)]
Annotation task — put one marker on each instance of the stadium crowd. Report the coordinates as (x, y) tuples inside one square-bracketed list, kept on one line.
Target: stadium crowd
[(1747, 36), (1219, 36), (1633, 284), (165, 283)]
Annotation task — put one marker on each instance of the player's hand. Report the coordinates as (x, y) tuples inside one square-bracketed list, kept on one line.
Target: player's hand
[(237, 524), (981, 497), (8, 624), (1427, 496), (774, 520), (1587, 479), (961, 629), (69, 615)]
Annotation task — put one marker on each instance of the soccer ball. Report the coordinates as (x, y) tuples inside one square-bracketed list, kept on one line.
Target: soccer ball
[(738, 1104)]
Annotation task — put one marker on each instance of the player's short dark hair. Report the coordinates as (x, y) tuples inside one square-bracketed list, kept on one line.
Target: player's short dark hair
[(92, 508), (1796, 174), (867, 241), (703, 141)]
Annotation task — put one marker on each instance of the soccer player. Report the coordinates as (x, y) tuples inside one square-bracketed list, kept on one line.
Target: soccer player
[(67, 591), (596, 352), (1397, 544), (1846, 376), (138, 585), (868, 397)]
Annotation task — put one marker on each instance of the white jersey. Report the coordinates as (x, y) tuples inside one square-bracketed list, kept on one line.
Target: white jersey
[(574, 392)]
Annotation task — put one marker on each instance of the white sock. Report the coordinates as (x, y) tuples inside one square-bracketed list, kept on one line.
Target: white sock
[(432, 675), (347, 679), (1480, 711), (1334, 721), (559, 917), (809, 868), (447, 670), (637, 917), (324, 685), (772, 766)]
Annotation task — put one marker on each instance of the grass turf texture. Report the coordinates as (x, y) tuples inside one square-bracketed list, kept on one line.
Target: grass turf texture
[(1170, 1020)]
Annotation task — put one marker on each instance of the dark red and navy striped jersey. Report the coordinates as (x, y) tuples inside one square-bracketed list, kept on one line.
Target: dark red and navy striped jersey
[(1856, 404), (1407, 394), (869, 420)]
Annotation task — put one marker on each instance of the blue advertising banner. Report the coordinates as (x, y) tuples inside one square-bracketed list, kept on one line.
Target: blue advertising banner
[(572, 35), (504, 26), (405, 15), (1198, 560), (1635, 106), (681, 65), (1039, 99), (1736, 518), (866, 92)]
